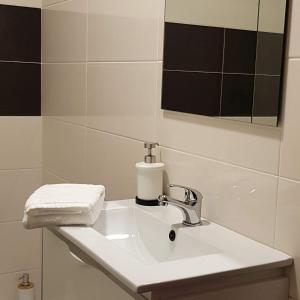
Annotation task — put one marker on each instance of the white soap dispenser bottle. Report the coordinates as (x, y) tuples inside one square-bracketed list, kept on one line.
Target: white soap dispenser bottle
[(149, 178), (25, 288)]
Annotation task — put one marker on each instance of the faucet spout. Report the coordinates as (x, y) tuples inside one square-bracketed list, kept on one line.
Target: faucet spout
[(190, 207)]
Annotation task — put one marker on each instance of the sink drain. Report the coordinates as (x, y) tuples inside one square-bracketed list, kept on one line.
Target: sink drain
[(172, 235)]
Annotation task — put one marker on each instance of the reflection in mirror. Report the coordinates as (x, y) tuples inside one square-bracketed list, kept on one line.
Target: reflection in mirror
[(223, 58)]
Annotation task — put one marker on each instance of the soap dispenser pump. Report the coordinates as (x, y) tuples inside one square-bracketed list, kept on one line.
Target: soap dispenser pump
[(25, 288), (149, 178)]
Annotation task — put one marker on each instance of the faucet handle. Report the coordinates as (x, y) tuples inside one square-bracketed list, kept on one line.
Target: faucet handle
[(191, 194)]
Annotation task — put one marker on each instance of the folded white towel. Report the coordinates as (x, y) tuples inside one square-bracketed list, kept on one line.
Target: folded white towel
[(64, 204)]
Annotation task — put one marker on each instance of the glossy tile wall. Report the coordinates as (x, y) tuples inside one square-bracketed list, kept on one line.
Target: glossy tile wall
[(20, 139), (102, 79)]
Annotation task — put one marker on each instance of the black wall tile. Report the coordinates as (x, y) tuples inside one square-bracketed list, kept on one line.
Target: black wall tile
[(191, 92), (266, 96), (20, 33), (269, 53), (237, 95), (20, 91), (240, 51), (192, 47)]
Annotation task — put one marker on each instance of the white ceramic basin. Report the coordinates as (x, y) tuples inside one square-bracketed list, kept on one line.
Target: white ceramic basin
[(132, 244), (146, 237)]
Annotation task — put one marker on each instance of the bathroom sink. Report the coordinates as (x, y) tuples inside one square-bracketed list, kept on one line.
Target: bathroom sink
[(146, 237), (146, 248)]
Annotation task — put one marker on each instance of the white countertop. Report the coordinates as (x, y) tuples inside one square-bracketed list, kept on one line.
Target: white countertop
[(131, 243)]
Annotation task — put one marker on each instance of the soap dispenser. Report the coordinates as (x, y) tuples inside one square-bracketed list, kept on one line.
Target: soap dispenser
[(25, 288), (149, 178)]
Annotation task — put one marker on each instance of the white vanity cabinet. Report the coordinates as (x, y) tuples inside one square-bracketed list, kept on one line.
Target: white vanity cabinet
[(66, 278), (128, 254)]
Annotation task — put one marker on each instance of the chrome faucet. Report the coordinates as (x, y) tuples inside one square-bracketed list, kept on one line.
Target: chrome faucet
[(190, 207)]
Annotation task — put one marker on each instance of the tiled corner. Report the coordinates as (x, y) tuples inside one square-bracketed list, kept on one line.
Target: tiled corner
[(21, 250), (9, 281), (192, 92), (15, 188), (50, 178), (234, 197), (184, 47), (64, 30), (131, 31), (46, 3), (63, 149), (64, 91), (122, 98), (287, 227), (110, 160), (290, 147), (20, 139)]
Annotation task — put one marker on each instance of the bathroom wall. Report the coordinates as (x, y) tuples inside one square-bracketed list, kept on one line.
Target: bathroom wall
[(102, 64), (20, 140)]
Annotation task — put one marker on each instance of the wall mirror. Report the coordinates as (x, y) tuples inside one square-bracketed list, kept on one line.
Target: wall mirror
[(224, 58)]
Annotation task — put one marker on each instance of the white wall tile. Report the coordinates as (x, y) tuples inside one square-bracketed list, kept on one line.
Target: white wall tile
[(121, 98), (64, 91), (234, 197), (272, 15), (246, 145), (9, 282), (217, 13), (50, 2), (63, 148), (15, 187), (287, 228), (50, 178), (110, 160), (28, 3), (294, 42), (125, 30), (20, 139), (64, 32), (21, 249), (290, 149)]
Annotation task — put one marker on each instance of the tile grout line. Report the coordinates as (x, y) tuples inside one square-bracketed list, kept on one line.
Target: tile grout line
[(222, 79), (55, 175), (85, 145), (21, 62), (103, 62), (21, 169), (220, 161), (10, 222), (255, 66), (167, 147), (20, 271), (160, 67), (226, 73), (56, 3)]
